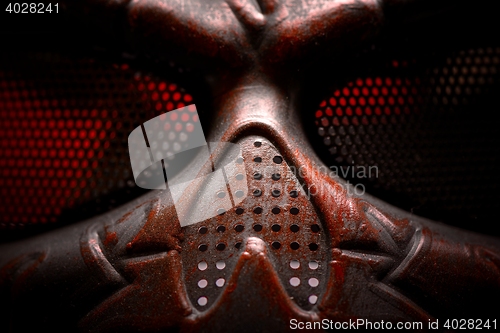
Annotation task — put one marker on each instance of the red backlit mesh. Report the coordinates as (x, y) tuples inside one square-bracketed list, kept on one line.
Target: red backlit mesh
[(430, 132), (63, 134), (355, 103)]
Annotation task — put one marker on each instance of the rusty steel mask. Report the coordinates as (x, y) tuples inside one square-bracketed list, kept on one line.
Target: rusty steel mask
[(277, 239)]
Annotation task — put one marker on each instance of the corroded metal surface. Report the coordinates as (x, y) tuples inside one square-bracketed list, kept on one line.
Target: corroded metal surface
[(137, 269), (278, 212)]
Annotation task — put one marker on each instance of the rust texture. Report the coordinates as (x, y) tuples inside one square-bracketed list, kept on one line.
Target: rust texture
[(136, 269)]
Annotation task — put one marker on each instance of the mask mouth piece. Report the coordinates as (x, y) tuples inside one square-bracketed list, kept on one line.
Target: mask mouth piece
[(277, 215)]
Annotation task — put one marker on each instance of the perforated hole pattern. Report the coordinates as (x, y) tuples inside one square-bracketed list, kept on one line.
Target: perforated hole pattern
[(63, 134), (286, 222), (429, 129)]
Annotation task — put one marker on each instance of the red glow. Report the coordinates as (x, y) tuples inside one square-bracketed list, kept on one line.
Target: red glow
[(53, 151)]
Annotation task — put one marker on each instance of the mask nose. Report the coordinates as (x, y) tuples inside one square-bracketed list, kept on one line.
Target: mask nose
[(278, 215)]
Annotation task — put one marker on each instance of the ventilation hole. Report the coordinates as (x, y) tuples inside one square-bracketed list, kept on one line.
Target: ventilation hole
[(240, 176), (220, 282), (203, 230), (239, 210), (220, 265), (313, 246), (294, 264), (221, 228), (202, 265), (277, 159), (257, 176), (220, 246), (257, 193), (221, 211), (313, 299), (276, 245), (294, 246), (276, 227), (294, 228), (313, 265), (257, 227), (257, 143), (257, 210), (221, 194), (202, 301), (202, 283), (257, 159), (313, 282), (294, 211), (239, 160), (295, 282), (239, 227), (203, 247), (276, 210), (315, 228), (276, 193), (276, 176), (237, 245), (239, 193), (294, 193)]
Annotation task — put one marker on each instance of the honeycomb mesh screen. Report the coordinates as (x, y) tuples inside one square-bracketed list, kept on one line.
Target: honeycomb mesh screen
[(420, 133), (63, 134), (426, 123)]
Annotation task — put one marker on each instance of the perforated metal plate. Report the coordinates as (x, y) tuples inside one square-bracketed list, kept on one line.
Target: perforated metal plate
[(64, 123), (427, 126), (277, 211)]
